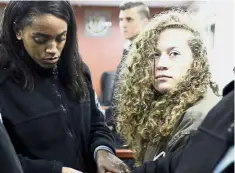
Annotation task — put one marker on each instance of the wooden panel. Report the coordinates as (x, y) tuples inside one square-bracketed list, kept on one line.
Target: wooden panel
[(124, 154)]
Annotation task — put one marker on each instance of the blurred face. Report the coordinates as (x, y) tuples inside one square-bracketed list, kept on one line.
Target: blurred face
[(44, 39), (172, 60), (131, 22)]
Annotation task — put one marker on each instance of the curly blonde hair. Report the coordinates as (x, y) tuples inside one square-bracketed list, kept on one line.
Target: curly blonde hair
[(145, 116)]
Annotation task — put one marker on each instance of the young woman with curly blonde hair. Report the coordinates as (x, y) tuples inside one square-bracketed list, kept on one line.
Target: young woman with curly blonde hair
[(165, 88)]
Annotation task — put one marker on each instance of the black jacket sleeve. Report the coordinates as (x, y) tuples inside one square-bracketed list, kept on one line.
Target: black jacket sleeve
[(167, 164), (8, 158), (100, 133)]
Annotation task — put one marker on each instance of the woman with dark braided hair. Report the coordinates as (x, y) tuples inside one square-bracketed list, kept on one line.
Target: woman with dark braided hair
[(46, 97), (165, 88)]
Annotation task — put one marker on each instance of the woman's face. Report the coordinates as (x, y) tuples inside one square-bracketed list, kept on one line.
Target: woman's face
[(44, 39), (172, 60)]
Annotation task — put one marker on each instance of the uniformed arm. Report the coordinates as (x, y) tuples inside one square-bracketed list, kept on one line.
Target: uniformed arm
[(167, 164), (101, 137), (100, 133), (8, 158)]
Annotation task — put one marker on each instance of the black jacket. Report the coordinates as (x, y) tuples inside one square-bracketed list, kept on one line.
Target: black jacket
[(8, 159), (50, 130), (206, 147)]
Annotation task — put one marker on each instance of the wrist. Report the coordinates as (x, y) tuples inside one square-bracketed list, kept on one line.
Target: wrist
[(102, 148), (102, 153)]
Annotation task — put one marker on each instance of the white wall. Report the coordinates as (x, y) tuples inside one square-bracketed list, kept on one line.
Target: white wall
[(224, 42), (221, 52)]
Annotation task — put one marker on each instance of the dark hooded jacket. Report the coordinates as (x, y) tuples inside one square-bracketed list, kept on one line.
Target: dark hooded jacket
[(48, 129), (207, 147)]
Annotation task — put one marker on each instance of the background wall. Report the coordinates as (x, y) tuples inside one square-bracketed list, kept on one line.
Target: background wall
[(101, 53), (220, 15)]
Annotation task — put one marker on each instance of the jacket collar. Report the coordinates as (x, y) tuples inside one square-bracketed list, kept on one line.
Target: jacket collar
[(228, 88)]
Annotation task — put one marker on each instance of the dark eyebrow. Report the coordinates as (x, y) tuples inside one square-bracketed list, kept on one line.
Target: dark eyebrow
[(170, 49), (64, 32), (46, 35), (41, 34), (129, 18)]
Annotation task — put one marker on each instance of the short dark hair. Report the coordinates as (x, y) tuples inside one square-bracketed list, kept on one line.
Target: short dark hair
[(143, 9), (19, 14)]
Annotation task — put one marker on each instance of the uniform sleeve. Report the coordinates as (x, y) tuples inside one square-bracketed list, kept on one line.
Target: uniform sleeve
[(100, 133)]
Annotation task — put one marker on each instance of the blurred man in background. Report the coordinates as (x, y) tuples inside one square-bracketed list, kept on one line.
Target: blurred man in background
[(133, 16)]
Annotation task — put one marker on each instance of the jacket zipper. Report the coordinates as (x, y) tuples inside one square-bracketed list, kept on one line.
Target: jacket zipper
[(62, 105)]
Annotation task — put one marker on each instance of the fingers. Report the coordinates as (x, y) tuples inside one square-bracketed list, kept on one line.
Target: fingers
[(117, 168), (111, 164), (122, 167), (110, 168), (101, 169)]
